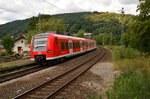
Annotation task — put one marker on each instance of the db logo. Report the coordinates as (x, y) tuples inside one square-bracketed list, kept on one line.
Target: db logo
[(39, 52)]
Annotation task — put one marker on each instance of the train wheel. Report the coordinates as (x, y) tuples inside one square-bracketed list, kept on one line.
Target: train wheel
[(43, 63)]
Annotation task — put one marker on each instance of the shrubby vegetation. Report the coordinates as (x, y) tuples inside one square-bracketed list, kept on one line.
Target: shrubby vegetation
[(89, 22), (138, 34), (106, 39), (134, 80), (121, 52), (14, 28), (8, 43), (131, 85)]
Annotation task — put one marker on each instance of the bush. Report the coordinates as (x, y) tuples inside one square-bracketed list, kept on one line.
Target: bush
[(122, 52), (8, 43), (132, 64), (131, 85)]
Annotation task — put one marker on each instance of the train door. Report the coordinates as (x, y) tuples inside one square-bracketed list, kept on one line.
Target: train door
[(70, 46), (81, 46), (56, 47)]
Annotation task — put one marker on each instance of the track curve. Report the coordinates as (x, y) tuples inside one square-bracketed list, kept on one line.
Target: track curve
[(52, 87)]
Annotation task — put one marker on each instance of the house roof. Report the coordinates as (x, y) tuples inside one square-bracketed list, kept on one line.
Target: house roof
[(21, 37)]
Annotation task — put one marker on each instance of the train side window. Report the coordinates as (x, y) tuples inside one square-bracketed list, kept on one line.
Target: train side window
[(84, 44), (81, 45), (56, 41), (67, 47), (62, 45), (74, 45), (78, 45)]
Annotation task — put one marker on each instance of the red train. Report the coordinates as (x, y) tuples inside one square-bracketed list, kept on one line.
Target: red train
[(51, 46)]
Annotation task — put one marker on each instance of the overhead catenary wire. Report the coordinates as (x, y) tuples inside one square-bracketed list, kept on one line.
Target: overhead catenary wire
[(14, 12), (32, 6), (53, 5)]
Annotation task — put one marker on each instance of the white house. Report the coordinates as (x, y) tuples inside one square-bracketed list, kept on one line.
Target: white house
[(21, 45)]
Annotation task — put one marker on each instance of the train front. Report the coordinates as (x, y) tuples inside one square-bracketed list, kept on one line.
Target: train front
[(38, 47)]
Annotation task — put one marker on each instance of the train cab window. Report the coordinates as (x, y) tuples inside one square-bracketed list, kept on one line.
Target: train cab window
[(67, 47), (62, 45)]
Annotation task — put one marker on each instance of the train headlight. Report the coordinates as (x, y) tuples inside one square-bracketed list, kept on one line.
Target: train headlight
[(49, 51)]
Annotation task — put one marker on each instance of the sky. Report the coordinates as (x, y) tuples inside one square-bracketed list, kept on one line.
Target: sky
[(11, 10)]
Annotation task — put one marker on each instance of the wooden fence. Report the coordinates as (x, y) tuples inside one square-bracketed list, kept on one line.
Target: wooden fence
[(7, 58)]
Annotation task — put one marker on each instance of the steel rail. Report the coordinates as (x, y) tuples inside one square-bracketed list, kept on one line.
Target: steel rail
[(20, 73), (67, 77)]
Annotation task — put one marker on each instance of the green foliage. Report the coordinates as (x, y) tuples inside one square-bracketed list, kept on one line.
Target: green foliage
[(3, 54), (105, 39), (132, 64), (51, 25), (8, 43), (80, 33), (134, 80), (122, 53), (138, 35), (46, 24), (131, 85), (30, 34), (14, 28), (69, 22)]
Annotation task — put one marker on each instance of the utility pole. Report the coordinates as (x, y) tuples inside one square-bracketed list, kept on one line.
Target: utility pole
[(103, 40), (39, 23), (110, 38), (122, 25)]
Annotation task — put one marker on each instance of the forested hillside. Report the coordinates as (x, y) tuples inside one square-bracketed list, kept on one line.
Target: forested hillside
[(14, 28), (91, 22)]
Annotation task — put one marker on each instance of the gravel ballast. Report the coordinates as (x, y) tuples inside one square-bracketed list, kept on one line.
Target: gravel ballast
[(17, 86)]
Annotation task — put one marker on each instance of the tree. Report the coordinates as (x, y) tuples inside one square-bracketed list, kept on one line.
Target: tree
[(138, 34), (8, 43), (80, 33), (105, 39), (45, 25)]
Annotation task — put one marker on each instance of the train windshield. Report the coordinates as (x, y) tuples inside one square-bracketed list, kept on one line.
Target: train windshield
[(40, 44)]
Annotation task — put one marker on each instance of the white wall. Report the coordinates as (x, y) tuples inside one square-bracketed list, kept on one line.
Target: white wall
[(20, 44)]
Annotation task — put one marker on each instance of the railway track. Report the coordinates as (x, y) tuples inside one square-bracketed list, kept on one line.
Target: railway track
[(23, 72), (15, 72), (52, 87)]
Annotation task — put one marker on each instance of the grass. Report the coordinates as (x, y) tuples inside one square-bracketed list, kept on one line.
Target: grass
[(21, 68), (125, 53), (131, 85), (134, 81), (132, 64)]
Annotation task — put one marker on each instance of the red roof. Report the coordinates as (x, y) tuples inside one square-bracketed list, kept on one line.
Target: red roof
[(22, 36)]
